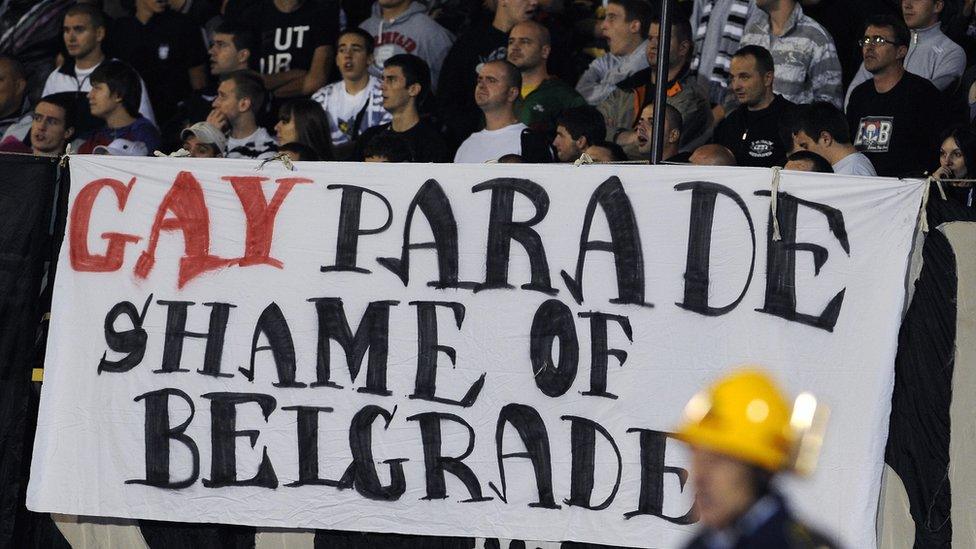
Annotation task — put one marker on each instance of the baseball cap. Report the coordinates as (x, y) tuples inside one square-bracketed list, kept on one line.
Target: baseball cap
[(123, 147), (206, 134)]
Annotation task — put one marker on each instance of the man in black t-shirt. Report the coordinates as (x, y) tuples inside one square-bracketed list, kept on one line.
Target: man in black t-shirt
[(896, 116), (406, 86), (296, 38), (751, 131), (167, 48)]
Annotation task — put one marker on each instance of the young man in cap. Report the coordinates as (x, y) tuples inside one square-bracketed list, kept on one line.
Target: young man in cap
[(202, 140)]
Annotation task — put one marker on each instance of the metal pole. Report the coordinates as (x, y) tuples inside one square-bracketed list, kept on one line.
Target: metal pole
[(660, 89)]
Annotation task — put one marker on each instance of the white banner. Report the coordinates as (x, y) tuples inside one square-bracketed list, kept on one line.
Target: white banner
[(491, 350)]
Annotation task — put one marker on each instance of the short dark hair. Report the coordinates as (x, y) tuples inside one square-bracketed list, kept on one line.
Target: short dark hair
[(585, 121), (122, 80), (617, 153), (390, 146), (367, 38), (513, 75), (303, 151), (681, 27), (636, 9), (66, 102), (415, 71), (903, 36), (820, 164), (95, 15), (249, 85), (764, 59), (823, 116), (242, 38)]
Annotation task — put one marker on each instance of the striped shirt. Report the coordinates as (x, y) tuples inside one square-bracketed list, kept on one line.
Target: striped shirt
[(807, 67)]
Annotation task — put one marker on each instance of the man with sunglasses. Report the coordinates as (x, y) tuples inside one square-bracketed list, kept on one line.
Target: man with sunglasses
[(930, 53), (895, 117)]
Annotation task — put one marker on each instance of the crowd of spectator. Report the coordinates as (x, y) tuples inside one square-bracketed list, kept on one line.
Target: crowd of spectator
[(866, 87)]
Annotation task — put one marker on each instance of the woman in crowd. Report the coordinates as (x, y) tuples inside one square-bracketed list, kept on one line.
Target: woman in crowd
[(303, 121), (957, 153)]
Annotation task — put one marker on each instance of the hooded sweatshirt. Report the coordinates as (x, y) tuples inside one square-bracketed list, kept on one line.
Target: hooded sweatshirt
[(413, 32), (931, 55)]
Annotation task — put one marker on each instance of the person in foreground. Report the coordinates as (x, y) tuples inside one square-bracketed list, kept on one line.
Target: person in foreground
[(742, 436)]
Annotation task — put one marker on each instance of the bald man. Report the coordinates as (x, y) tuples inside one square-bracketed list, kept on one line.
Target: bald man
[(712, 155), (543, 96)]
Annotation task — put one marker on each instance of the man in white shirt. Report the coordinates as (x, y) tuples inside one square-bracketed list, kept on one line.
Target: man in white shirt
[(499, 85), (823, 129), (83, 32), (625, 28), (355, 103), (239, 96)]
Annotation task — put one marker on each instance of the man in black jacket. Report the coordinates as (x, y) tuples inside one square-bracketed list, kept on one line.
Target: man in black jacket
[(751, 131)]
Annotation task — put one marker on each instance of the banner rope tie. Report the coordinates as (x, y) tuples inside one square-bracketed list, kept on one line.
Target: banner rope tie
[(178, 153), (64, 157), (583, 159), (281, 157), (772, 203)]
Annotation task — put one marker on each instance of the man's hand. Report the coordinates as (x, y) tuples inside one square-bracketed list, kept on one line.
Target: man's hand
[(626, 138), (217, 120)]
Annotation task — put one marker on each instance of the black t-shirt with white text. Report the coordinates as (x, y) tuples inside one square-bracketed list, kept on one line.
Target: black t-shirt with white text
[(288, 40), (898, 130)]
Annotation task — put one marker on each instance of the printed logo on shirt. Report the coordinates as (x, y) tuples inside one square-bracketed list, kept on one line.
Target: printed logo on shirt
[(761, 148), (874, 134), (273, 63), (163, 52)]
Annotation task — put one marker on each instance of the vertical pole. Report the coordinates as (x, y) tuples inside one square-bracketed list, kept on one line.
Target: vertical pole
[(660, 89)]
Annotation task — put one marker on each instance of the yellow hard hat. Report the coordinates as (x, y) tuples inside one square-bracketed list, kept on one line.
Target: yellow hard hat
[(743, 415)]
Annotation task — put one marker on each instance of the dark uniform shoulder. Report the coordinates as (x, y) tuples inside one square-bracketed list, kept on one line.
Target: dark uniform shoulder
[(800, 536)]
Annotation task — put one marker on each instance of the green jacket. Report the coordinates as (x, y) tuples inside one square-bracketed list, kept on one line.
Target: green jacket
[(539, 109)]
